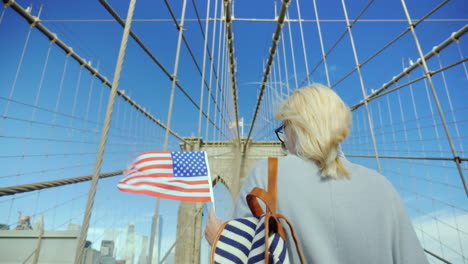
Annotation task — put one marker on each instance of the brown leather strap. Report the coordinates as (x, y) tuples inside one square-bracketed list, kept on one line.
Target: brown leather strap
[(293, 234), (269, 197), (272, 179), (267, 234), (252, 201)]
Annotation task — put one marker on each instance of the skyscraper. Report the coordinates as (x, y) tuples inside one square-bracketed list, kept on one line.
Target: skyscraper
[(128, 251)]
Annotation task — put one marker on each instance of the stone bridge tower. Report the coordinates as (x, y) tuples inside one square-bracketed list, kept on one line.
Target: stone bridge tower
[(228, 165)]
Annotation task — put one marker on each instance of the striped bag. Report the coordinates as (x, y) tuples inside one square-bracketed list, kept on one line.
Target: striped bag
[(259, 238)]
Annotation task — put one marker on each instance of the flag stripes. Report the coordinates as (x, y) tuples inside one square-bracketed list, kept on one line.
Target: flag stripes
[(180, 176)]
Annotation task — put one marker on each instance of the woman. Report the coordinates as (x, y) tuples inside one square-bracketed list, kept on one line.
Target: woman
[(342, 212)]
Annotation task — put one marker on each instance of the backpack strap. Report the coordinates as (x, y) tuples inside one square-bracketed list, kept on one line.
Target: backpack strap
[(270, 200), (293, 234), (272, 179), (268, 197)]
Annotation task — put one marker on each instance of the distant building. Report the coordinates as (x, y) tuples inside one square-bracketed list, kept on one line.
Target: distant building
[(91, 256), (107, 248), (107, 260), (128, 251), (143, 259), (74, 226), (157, 242)]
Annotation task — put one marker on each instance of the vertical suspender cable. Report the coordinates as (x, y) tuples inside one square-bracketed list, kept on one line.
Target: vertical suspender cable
[(293, 56), (205, 46), (276, 37), (211, 71), (324, 56), (18, 69), (436, 98), (220, 74), (174, 77), (303, 42), (232, 62), (358, 66), (169, 116)]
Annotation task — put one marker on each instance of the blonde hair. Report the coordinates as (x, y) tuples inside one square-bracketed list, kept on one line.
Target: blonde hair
[(316, 121)]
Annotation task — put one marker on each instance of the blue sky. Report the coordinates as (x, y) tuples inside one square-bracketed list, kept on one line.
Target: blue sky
[(51, 130)]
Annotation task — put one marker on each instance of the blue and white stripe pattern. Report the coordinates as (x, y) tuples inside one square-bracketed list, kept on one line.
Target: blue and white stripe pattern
[(242, 241)]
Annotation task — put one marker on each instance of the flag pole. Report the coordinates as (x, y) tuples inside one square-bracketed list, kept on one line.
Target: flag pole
[(211, 180)]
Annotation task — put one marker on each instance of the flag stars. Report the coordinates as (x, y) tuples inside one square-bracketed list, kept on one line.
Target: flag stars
[(189, 164)]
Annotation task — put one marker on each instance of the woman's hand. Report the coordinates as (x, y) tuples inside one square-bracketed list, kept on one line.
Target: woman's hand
[(213, 224)]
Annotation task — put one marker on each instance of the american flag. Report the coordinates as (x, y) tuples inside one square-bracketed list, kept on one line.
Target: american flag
[(182, 176)]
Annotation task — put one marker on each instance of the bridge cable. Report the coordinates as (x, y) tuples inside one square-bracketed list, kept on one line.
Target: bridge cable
[(285, 62), (212, 69), (322, 48), (34, 22), (105, 131), (302, 40), (232, 62), (461, 56), (424, 18), (219, 80), (18, 69), (436, 98), (337, 41), (379, 92), (192, 55), (190, 223), (361, 81), (12, 190), (205, 48), (276, 37), (449, 100), (148, 52), (293, 55)]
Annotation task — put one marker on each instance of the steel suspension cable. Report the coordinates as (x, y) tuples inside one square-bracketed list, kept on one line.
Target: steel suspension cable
[(435, 96), (280, 77), (18, 69), (306, 60), (105, 131), (169, 115), (189, 49), (232, 62), (391, 42), (212, 69), (288, 89), (461, 56), (339, 39), (453, 38), (209, 87), (34, 22), (276, 37), (150, 54), (12, 190), (322, 48), (293, 56), (361, 81), (449, 99), (205, 47), (221, 74)]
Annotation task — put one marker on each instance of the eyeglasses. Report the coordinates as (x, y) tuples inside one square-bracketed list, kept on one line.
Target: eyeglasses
[(280, 133)]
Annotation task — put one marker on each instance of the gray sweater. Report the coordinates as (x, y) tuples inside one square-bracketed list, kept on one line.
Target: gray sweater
[(356, 220)]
